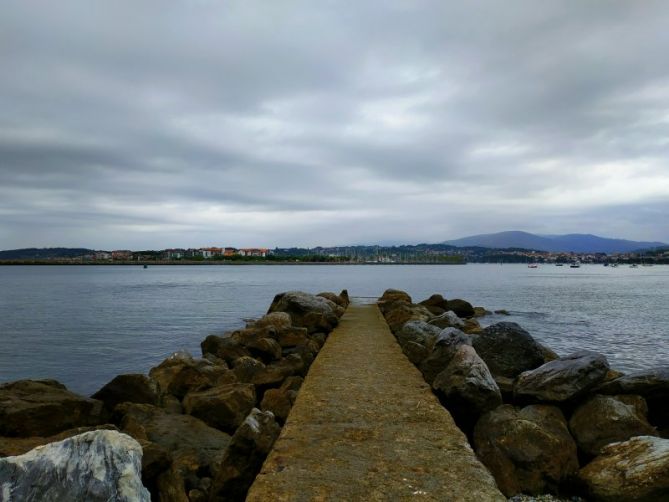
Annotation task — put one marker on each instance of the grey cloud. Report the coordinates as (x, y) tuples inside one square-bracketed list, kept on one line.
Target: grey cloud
[(308, 123)]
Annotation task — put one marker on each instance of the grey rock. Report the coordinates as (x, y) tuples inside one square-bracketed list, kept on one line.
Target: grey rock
[(95, 466), (467, 386), (508, 349), (448, 320), (604, 420), (420, 332), (634, 470), (563, 379), (442, 352)]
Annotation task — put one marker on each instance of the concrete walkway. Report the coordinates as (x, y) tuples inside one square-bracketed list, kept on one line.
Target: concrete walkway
[(366, 426)]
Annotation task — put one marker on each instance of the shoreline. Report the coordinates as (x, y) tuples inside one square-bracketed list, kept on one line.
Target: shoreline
[(171, 263)]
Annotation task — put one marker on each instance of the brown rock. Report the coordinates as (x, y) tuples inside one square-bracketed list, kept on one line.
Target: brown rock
[(403, 313), (13, 446), (291, 337), (634, 470), (528, 451), (278, 402), (247, 368), (390, 295), (180, 373), (133, 388), (607, 419), (243, 459), (313, 312), (224, 347), (461, 308), (44, 408), (223, 406)]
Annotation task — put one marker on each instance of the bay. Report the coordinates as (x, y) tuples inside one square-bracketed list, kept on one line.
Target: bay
[(82, 325)]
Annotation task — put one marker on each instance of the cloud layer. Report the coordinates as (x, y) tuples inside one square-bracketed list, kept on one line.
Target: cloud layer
[(152, 124)]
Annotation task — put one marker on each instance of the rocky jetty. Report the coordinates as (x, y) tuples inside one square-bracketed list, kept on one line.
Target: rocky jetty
[(544, 425), (194, 429)]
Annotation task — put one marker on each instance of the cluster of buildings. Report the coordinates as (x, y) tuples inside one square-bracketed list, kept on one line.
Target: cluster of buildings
[(179, 254)]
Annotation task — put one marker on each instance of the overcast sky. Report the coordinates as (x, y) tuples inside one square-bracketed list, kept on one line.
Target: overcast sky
[(150, 124)]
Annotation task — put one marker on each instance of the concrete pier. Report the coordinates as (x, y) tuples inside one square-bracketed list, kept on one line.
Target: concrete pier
[(366, 426)]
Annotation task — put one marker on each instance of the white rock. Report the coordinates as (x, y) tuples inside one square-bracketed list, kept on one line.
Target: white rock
[(100, 465)]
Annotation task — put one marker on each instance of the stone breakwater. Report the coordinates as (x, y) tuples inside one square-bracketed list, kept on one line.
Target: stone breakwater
[(202, 427), (542, 424)]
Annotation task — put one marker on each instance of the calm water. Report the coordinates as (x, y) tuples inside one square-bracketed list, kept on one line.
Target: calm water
[(84, 325)]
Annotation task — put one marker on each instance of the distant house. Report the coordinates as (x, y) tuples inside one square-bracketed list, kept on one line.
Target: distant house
[(211, 252), (121, 254), (259, 252), (174, 254), (102, 255), (230, 251)]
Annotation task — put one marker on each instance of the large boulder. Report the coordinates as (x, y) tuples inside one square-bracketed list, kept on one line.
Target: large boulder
[(223, 406), (508, 349), (45, 407), (194, 448), (562, 379), (132, 388), (391, 295), (467, 387), (248, 449), (94, 466), (401, 313), (277, 320), (528, 451), (634, 470), (335, 298), (224, 348), (448, 320), (308, 311), (442, 351), (652, 384), (608, 419), (436, 304), (461, 308), (13, 446), (181, 373), (419, 332)]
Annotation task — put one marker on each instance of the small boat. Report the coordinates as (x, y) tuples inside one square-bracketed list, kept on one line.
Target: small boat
[(634, 265), (559, 264), (533, 265), (606, 264), (146, 266), (614, 265), (575, 265)]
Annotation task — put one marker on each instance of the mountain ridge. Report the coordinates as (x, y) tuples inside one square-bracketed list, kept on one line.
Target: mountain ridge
[(576, 243)]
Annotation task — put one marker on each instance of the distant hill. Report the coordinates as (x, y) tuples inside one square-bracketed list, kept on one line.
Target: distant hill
[(577, 243), (43, 253)]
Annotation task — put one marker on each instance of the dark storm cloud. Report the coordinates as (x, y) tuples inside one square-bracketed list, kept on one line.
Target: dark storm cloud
[(148, 124)]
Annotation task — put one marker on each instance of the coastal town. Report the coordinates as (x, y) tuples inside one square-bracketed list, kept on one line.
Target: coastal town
[(405, 254)]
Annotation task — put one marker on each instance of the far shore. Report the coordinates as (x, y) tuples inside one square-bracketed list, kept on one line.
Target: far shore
[(213, 262)]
